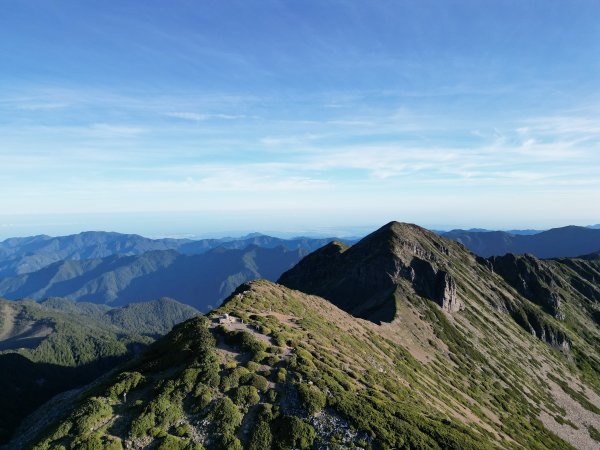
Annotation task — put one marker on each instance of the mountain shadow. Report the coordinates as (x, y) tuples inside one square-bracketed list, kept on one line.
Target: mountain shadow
[(26, 385)]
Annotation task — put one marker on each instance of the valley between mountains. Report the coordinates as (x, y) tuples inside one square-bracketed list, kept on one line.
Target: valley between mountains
[(404, 339)]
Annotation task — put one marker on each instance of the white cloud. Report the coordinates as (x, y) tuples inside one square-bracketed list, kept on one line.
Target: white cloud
[(188, 116)]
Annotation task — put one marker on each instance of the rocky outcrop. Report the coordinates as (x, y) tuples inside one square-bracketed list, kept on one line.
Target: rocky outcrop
[(446, 290), (533, 279), (436, 285), (540, 326)]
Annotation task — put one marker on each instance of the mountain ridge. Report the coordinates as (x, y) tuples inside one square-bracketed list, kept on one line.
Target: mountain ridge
[(569, 241), (25, 255)]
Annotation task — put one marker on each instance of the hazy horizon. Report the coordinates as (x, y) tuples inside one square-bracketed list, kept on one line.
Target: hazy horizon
[(158, 226)]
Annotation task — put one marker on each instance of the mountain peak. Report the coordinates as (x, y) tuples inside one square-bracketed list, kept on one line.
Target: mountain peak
[(402, 229), (369, 278)]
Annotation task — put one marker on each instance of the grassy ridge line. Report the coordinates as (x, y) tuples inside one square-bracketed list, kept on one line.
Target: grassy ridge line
[(227, 389)]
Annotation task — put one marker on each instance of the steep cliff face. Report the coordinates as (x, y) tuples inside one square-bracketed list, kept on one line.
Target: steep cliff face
[(436, 285), (447, 292)]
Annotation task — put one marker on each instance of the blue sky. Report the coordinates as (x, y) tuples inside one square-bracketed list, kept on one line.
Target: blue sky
[(206, 117)]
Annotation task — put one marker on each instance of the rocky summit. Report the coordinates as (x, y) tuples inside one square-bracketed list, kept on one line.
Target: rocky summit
[(405, 340)]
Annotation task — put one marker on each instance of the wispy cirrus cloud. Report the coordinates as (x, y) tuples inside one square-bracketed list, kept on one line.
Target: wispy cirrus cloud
[(197, 117), (42, 106)]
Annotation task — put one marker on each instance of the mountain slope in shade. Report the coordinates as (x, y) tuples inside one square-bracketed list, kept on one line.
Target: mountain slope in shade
[(25, 255), (286, 369), (197, 280), (57, 345), (568, 241)]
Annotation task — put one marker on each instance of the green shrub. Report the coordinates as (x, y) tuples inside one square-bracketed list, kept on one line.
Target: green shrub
[(253, 366), (292, 432), (173, 443), (183, 430), (246, 341), (313, 400), (62, 431), (126, 381), (167, 408), (96, 441), (246, 396), (188, 378), (258, 381), (228, 441), (280, 339), (272, 361), (92, 413), (230, 364), (259, 356), (225, 416), (281, 375), (141, 425), (271, 395), (261, 437), (203, 395), (232, 379)]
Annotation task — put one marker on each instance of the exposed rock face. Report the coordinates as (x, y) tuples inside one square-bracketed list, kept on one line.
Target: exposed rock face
[(438, 286), (532, 278), (563, 288), (540, 327), (446, 288)]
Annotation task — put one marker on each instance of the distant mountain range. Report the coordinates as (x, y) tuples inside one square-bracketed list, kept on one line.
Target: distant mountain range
[(29, 254), (117, 269), (201, 280), (526, 231), (558, 242), (484, 230)]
